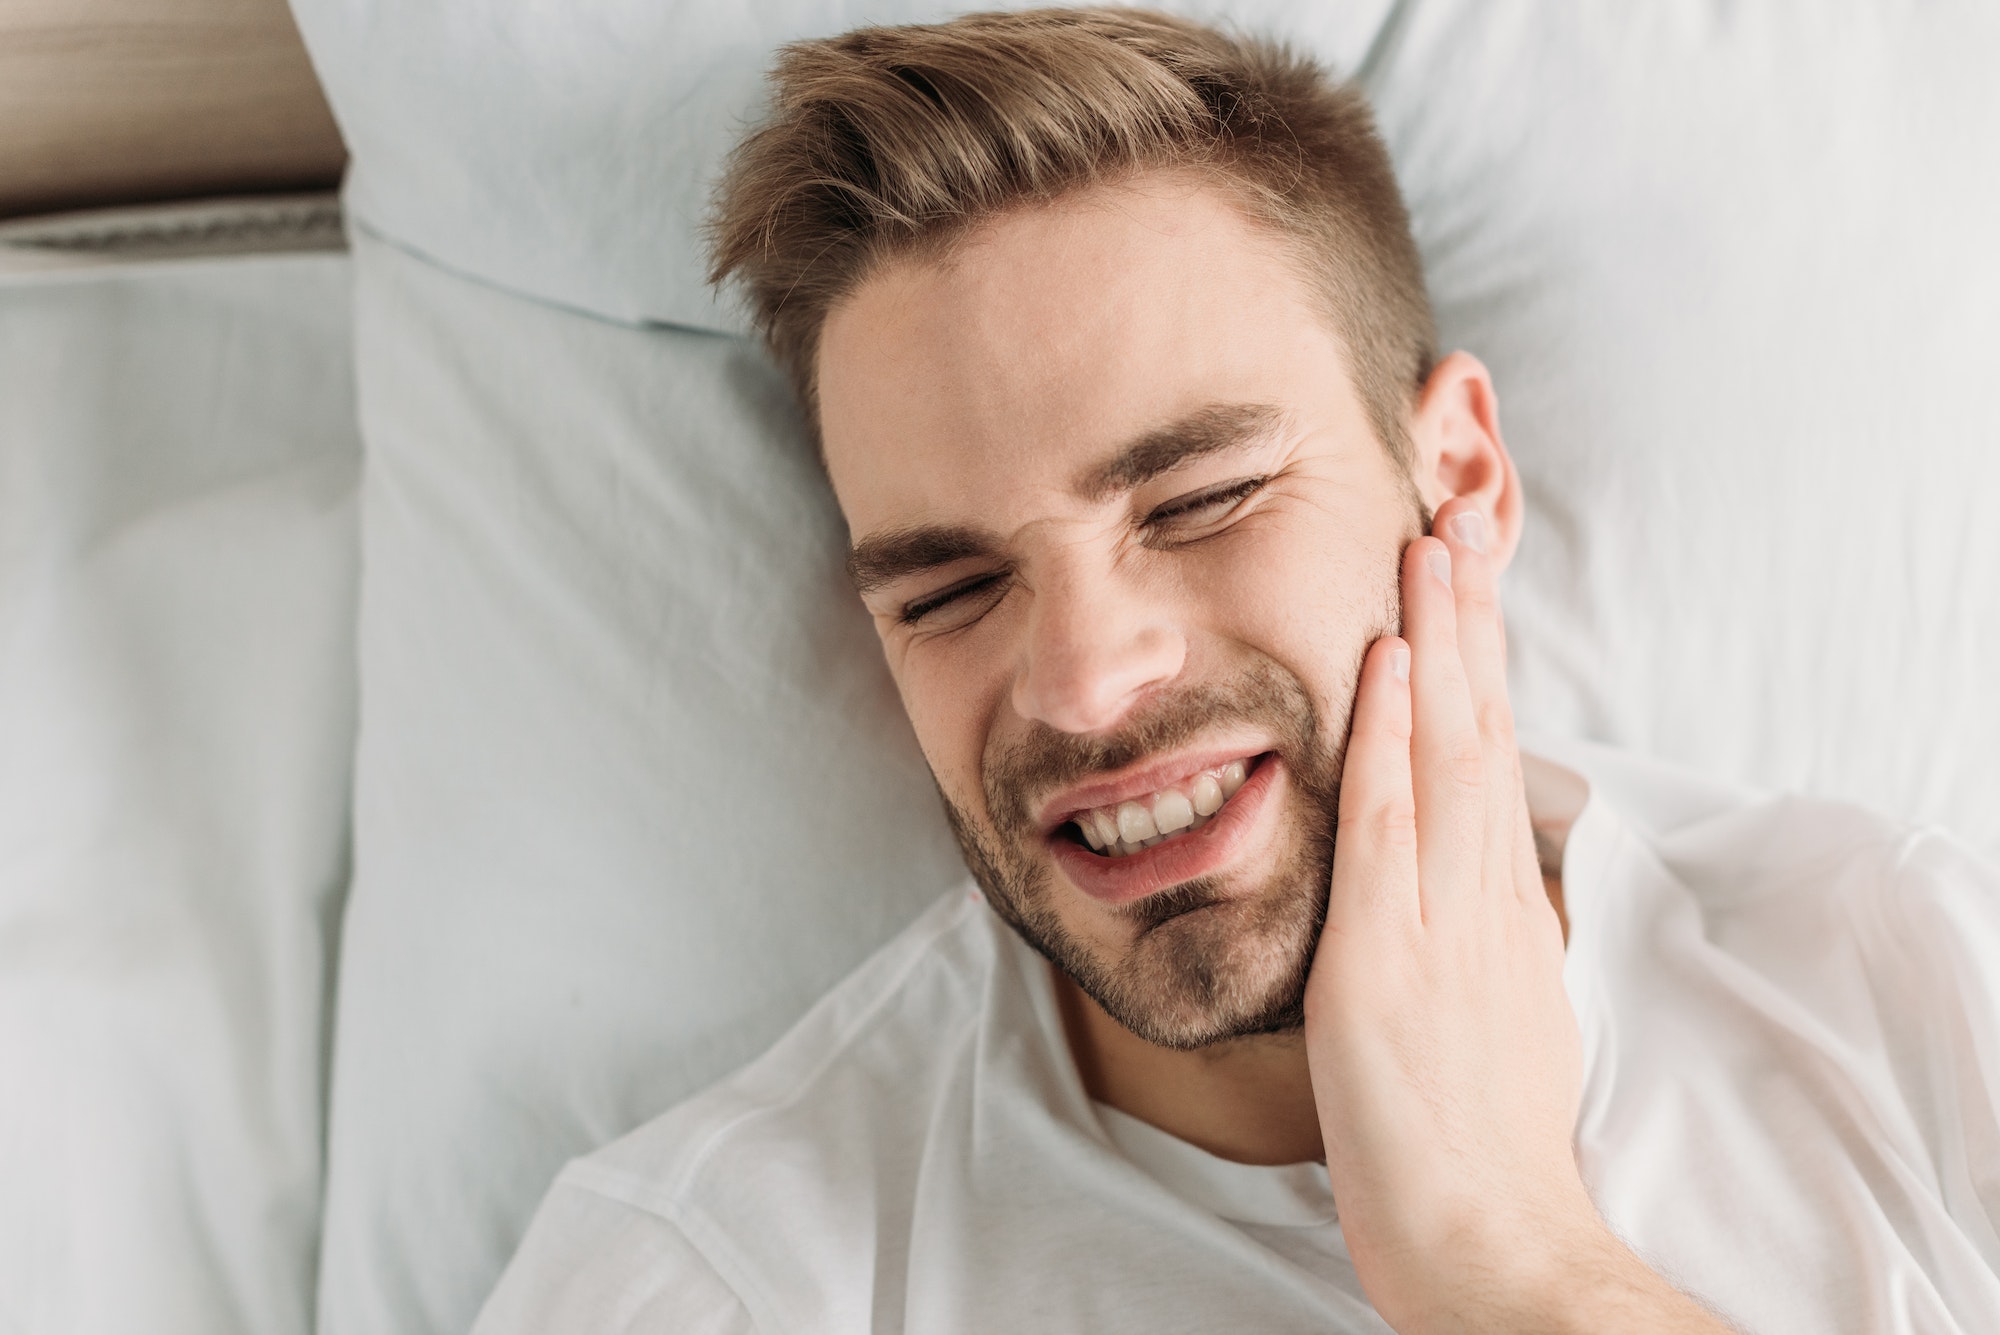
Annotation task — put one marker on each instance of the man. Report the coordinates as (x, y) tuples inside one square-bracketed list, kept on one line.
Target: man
[(1182, 543)]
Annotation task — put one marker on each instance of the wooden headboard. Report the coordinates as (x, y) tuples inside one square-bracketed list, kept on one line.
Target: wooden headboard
[(118, 101)]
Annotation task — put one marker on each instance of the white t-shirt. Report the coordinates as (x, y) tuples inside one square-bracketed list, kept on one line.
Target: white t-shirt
[(1791, 1024)]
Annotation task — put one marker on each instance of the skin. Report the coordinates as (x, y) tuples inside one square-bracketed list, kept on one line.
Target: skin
[(1437, 1070)]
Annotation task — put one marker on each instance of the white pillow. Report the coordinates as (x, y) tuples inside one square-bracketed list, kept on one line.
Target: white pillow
[(583, 540), (566, 151), (1733, 268), (177, 569), (632, 789)]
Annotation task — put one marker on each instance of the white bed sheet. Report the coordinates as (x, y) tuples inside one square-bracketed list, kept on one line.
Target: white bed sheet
[(178, 464)]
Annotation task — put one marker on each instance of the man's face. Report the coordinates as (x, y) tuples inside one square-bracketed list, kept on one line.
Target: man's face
[(1125, 531)]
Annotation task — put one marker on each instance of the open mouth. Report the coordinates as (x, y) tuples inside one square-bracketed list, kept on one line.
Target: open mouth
[(1182, 807)]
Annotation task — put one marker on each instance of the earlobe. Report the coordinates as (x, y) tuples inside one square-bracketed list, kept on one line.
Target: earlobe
[(1458, 451)]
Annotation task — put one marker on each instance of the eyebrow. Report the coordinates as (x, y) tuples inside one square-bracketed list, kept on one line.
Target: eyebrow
[(882, 558), (1205, 431)]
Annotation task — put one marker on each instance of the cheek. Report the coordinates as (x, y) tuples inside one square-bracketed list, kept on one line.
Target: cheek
[(952, 693), (1310, 594), (1287, 583)]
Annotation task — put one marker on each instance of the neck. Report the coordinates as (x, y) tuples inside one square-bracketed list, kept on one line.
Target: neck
[(1249, 1099)]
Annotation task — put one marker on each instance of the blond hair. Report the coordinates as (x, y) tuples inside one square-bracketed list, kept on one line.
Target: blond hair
[(892, 141)]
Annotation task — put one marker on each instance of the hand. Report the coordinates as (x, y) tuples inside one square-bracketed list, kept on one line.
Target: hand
[(1446, 1065)]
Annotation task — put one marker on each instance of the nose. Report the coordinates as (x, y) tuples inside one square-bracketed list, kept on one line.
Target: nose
[(1094, 651)]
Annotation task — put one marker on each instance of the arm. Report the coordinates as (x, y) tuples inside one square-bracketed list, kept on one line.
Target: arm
[(1445, 1059)]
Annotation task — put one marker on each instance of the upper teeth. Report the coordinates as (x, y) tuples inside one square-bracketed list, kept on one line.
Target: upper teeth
[(1130, 826)]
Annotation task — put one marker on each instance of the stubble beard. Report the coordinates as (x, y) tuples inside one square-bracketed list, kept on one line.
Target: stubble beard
[(1207, 962)]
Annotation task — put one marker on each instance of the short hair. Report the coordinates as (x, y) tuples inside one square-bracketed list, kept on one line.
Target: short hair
[(888, 142)]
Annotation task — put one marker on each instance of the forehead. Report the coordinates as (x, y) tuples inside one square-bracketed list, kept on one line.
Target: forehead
[(1049, 337)]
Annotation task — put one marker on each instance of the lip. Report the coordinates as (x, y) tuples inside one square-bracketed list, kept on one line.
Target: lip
[(1138, 780), (1240, 824)]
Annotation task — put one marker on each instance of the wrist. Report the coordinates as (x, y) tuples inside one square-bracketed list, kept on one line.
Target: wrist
[(1579, 1278), (1548, 1266)]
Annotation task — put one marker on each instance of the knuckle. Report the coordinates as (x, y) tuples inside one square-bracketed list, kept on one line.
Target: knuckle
[(1496, 720), (1396, 725), (1389, 826), (1394, 824), (1476, 593), (1464, 759)]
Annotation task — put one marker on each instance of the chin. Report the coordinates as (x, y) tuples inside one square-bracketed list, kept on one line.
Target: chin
[(1200, 965), (1227, 969)]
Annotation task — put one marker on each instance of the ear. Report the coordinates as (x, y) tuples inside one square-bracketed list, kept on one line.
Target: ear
[(1455, 441)]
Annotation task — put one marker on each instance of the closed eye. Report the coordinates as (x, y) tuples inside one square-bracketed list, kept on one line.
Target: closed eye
[(964, 593), (1199, 507)]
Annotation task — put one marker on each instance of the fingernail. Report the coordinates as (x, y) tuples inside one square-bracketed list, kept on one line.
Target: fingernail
[(1469, 527), (1440, 563), (1399, 663)]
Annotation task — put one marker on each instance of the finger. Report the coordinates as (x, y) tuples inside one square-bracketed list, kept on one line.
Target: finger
[(1482, 649), (1375, 847), (1446, 759), (1462, 528)]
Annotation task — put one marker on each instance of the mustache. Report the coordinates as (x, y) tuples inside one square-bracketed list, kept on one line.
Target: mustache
[(1043, 759)]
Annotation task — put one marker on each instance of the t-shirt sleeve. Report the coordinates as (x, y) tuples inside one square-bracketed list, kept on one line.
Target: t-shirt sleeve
[(1946, 913), (592, 1264)]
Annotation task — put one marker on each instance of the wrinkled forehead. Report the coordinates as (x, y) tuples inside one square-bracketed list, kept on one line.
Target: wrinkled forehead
[(988, 377)]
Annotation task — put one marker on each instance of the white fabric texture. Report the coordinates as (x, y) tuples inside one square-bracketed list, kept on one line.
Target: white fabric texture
[(1788, 1010), (632, 786), (567, 153), (178, 465), (1730, 270)]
